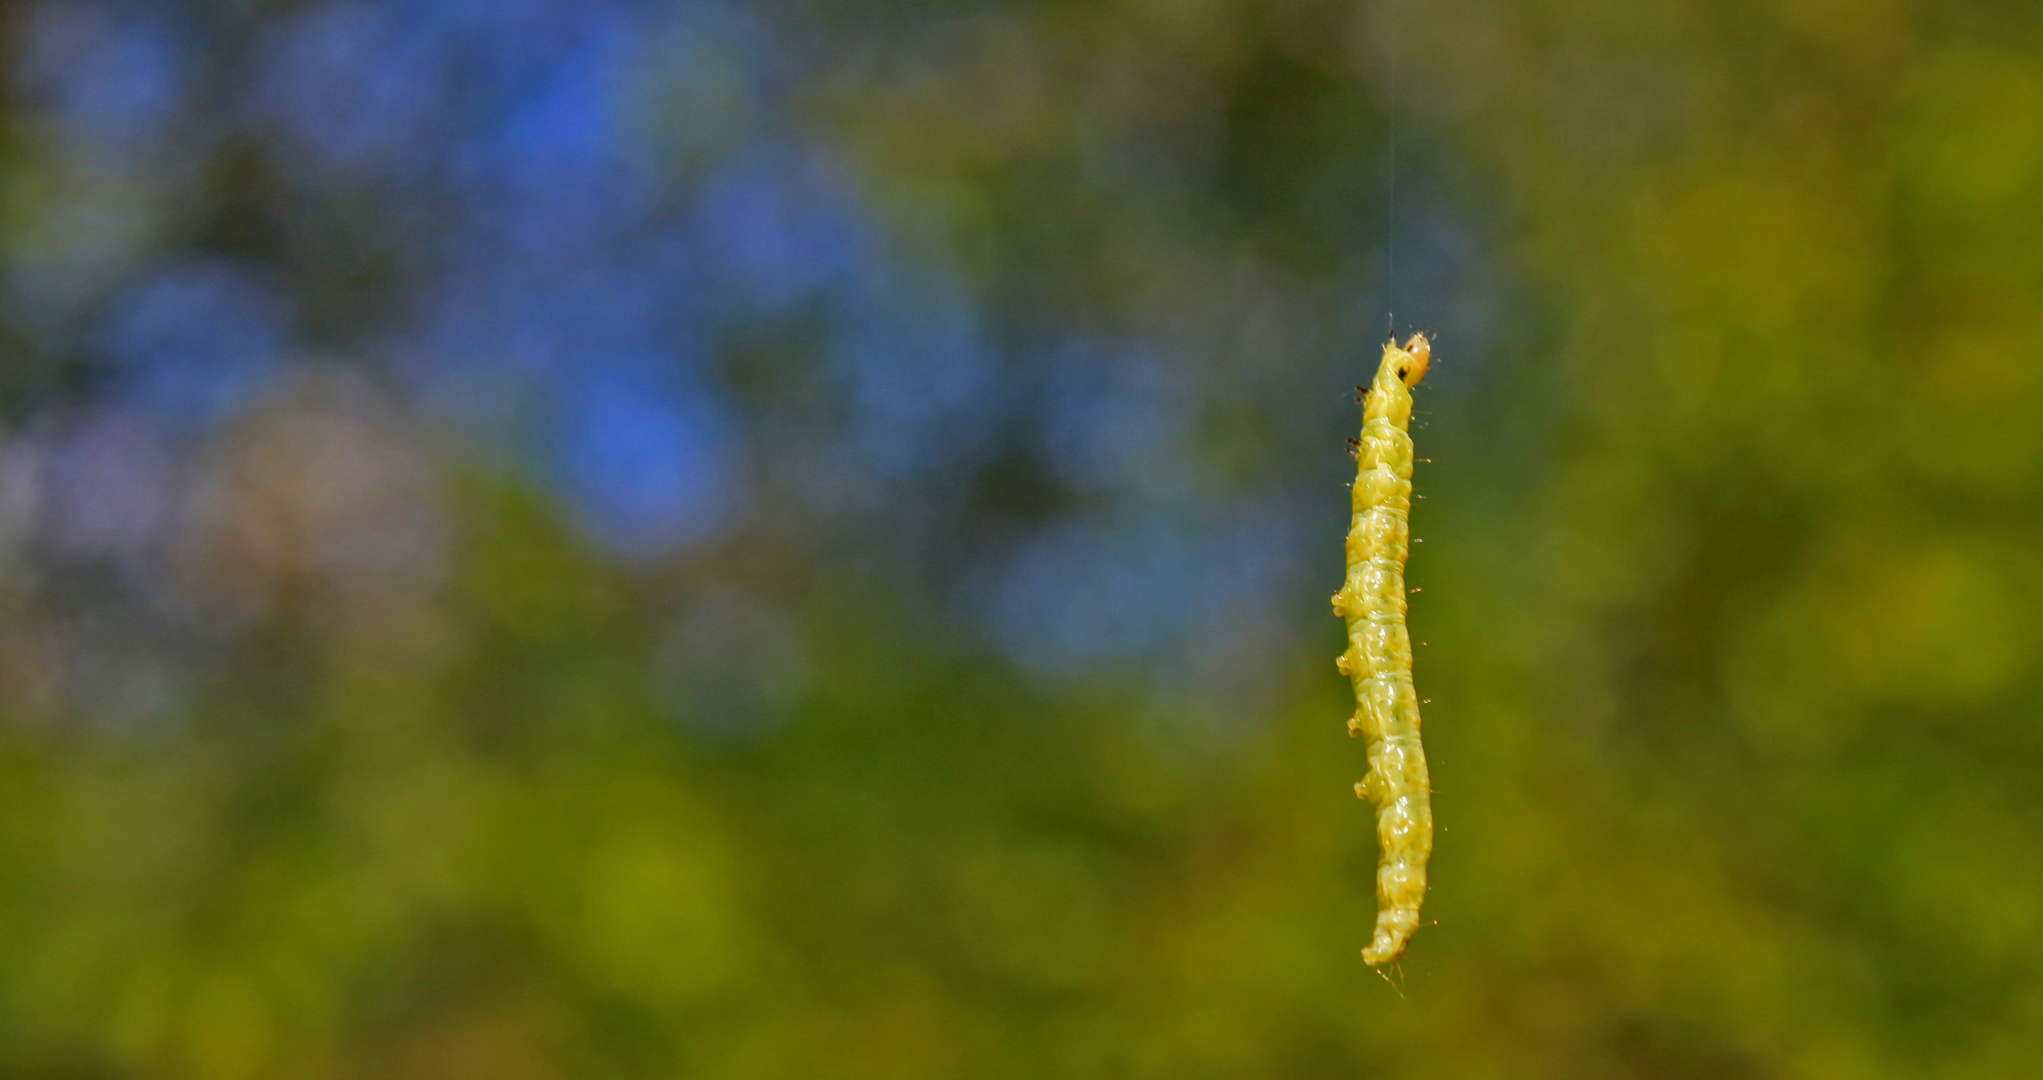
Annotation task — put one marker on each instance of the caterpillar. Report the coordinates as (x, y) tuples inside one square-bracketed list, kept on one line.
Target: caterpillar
[(1379, 654)]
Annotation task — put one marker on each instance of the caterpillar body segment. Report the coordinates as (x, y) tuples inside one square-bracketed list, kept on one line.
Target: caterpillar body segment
[(1378, 658)]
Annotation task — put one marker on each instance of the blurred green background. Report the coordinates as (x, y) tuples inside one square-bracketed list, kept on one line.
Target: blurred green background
[(638, 539)]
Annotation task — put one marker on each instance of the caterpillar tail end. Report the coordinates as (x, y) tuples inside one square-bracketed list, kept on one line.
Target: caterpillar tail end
[(1394, 928), (1400, 889)]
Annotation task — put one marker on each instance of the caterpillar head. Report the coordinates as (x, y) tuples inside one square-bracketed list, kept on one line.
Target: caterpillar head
[(1402, 368), (1421, 352)]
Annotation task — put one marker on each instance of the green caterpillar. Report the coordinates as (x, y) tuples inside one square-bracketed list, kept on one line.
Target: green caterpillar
[(1379, 653)]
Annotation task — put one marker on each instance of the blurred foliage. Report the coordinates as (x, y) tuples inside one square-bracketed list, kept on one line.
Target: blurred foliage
[(814, 564)]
